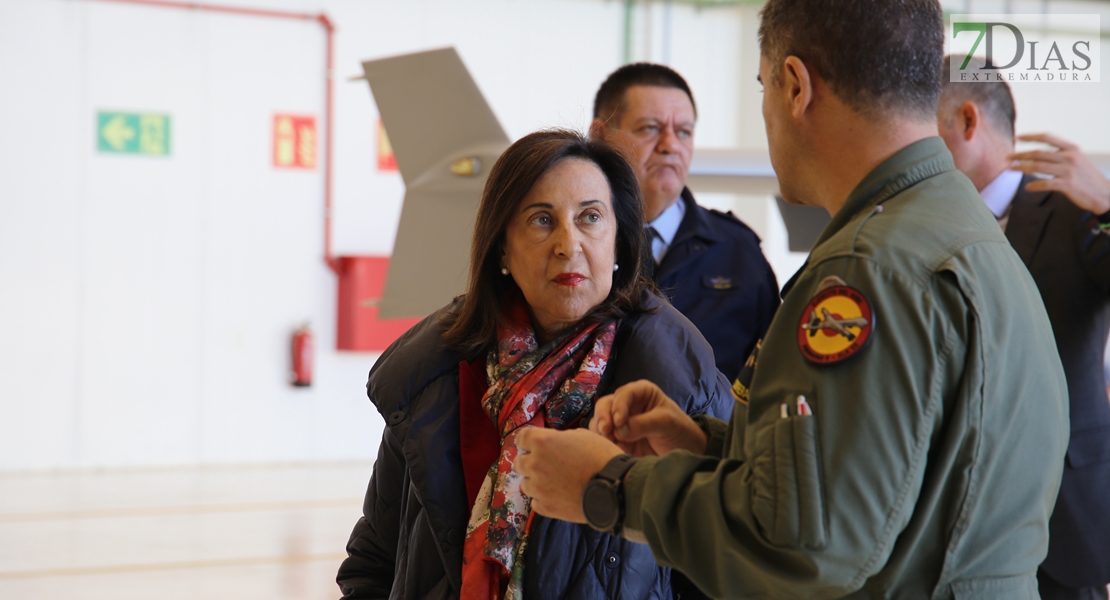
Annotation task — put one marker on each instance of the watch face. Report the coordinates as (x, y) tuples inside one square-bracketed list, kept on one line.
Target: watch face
[(599, 502)]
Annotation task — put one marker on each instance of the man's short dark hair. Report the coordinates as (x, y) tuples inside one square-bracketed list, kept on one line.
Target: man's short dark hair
[(994, 99), (609, 101), (875, 55)]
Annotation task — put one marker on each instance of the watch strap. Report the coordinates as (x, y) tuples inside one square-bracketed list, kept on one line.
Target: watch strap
[(616, 468), (610, 478)]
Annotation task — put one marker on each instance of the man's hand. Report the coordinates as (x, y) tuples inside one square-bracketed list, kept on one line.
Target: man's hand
[(643, 421), (1073, 174), (557, 465)]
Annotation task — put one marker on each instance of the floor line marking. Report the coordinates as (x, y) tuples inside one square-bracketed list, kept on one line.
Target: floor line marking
[(195, 564), (111, 513)]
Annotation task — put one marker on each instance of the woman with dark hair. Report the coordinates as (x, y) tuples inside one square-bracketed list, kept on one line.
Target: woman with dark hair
[(555, 315)]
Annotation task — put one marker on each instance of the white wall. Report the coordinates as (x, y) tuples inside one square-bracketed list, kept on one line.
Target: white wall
[(148, 300), (146, 303)]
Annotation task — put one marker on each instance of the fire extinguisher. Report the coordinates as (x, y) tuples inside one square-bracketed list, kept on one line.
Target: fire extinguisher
[(301, 375)]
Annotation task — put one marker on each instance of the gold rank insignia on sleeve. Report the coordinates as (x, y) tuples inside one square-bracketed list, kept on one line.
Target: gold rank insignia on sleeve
[(836, 324), (740, 387)]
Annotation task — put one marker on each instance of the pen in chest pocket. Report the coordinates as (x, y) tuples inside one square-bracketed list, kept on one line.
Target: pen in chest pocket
[(803, 407)]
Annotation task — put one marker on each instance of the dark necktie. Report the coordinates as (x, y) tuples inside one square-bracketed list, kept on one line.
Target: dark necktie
[(650, 235)]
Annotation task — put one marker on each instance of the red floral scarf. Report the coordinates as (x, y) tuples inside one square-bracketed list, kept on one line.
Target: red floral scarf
[(549, 386)]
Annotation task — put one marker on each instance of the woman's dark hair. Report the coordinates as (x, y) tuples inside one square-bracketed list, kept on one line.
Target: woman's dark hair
[(471, 325)]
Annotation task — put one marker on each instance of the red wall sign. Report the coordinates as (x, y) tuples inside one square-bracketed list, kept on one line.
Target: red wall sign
[(294, 142)]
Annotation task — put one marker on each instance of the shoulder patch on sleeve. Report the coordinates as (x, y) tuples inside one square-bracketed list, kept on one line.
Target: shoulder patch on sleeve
[(836, 323)]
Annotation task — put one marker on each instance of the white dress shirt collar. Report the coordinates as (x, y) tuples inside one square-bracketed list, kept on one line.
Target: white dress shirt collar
[(1000, 193), (666, 225)]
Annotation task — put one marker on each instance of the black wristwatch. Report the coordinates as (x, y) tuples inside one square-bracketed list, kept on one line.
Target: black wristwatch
[(603, 498)]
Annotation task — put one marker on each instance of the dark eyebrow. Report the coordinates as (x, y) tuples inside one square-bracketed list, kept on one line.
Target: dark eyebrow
[(537, 205), (759, 79), (582, 204)]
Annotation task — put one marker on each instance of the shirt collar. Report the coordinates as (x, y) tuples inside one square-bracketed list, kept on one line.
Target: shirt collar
[(666, 224), (1000, 193)]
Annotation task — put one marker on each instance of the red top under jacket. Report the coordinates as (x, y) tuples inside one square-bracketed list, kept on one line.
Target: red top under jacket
[(479, 441)]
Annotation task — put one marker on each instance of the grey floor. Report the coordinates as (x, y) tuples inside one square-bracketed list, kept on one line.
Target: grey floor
[(274, 532)]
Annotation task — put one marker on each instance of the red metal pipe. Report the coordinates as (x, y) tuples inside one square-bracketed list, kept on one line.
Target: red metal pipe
[(329, 29), (235, 10)]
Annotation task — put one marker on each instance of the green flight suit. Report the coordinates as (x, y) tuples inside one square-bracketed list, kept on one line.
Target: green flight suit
[(930, 462)]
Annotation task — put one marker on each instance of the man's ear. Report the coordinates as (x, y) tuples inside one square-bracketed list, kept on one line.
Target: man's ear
[(970, 120), (798, 84)]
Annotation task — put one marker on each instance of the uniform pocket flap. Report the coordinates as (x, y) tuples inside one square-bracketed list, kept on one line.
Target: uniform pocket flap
[(1089, 447)]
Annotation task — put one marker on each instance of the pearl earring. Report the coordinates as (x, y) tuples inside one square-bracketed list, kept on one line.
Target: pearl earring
[(616, 266), (504, 270)]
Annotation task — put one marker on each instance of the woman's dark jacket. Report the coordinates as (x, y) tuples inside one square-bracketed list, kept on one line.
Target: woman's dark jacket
[(409, 543)]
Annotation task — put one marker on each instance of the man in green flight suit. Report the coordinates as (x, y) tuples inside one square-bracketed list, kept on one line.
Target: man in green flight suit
[(901, 431)]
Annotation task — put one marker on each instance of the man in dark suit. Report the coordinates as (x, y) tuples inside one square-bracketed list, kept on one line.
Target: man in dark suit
[(1060, 227), (708, 263)]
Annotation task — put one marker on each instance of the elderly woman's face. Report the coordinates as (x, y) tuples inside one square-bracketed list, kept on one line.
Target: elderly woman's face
[(560, 245)]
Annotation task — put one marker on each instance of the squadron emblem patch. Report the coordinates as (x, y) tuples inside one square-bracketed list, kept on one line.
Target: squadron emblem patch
[(836, 324)]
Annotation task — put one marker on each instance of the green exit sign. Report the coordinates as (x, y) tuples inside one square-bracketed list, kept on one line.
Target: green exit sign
[(133, 133)]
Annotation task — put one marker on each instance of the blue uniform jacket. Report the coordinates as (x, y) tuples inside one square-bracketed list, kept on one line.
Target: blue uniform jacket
[(716, 275)]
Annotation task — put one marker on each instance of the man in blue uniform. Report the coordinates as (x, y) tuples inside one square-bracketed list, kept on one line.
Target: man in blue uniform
[(707, 262), (1058, 227)]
